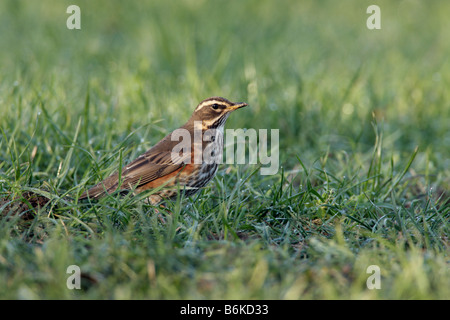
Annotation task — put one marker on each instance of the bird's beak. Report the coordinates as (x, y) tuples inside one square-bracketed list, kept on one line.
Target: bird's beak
[(238, 105)]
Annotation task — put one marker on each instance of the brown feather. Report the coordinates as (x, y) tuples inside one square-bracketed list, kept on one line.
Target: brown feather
[(155, 163)]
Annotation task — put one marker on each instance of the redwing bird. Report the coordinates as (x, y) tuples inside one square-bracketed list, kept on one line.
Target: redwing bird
[(170, 166)]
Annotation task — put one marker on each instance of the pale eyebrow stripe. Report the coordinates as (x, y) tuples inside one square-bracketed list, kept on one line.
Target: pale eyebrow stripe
[(208, 103)]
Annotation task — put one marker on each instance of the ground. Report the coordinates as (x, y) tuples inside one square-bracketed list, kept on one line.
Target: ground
[(363, 149)]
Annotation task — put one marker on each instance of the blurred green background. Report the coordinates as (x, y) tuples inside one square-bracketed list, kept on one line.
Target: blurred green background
[(311, 69), (338, 92)]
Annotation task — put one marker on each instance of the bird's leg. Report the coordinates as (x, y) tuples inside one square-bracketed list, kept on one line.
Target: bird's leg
[(160, 216)]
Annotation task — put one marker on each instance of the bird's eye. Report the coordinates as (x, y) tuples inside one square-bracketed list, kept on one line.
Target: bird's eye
[(215, 106)]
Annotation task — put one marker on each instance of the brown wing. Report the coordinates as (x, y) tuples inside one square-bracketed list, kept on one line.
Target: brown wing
[(157, 162)]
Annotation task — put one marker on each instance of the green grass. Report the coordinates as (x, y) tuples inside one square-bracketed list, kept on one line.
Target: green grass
[(364, 149)]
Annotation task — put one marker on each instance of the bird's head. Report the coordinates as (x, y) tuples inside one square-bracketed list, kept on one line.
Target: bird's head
[(213, 112)]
